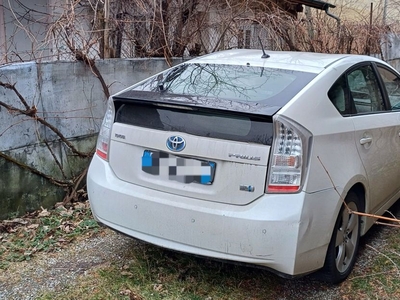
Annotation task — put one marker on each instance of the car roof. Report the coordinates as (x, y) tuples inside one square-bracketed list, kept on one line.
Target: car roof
[(299, 61)]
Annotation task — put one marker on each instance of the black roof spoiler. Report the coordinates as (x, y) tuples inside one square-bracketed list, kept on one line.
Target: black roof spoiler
[(314, 4), (318, 5)]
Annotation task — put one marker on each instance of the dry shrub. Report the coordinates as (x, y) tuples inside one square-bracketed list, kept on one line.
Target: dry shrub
[(174, 28)]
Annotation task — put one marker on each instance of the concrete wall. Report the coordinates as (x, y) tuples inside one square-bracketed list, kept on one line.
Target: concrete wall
[(68, 96), (391, 50)]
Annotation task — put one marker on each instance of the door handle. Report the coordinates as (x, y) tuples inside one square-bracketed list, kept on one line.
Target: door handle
[(366, 140)]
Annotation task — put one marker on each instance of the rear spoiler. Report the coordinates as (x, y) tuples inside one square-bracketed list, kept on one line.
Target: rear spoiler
[(164, 98)]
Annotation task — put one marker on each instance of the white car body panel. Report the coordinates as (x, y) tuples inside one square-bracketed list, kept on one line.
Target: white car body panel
[(380, 156)]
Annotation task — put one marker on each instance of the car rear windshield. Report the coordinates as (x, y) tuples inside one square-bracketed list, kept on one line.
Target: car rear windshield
[(200, 122), (241, 83)]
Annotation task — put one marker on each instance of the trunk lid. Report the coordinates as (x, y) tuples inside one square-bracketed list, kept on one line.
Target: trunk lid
[(207, 154)]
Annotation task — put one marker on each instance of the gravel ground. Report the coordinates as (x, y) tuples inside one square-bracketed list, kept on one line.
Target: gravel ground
[(54, 271)]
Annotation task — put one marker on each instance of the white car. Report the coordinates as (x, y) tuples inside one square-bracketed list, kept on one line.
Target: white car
[(248, 157)]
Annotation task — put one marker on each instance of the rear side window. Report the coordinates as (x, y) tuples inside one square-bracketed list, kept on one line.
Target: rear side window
[(357, 92), (207, 123), (339, 97), (231, 82), (364, 89), (392, 85)]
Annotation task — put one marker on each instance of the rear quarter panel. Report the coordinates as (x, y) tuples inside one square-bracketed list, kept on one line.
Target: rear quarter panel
[(334, 162)]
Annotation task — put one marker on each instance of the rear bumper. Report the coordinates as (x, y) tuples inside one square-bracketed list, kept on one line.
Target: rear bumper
[(288, 233)]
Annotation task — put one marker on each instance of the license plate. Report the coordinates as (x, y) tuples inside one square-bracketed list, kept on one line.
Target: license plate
[(177, 168)]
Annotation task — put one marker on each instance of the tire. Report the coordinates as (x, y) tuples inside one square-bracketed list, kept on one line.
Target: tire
[(343, 247)]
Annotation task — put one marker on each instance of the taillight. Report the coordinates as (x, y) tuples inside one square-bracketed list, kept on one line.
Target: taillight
[(103, 140), (289, 157)]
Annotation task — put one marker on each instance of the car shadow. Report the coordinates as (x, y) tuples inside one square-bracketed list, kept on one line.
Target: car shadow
[(255, 282)]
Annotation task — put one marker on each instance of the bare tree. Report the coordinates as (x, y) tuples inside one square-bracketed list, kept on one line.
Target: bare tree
[(174, 28)]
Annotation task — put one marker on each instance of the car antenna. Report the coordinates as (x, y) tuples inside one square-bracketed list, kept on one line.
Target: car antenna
[(265, 55)]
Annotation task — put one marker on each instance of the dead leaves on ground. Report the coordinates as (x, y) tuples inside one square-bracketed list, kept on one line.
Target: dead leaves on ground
[(10, 225), (131, 294), (31, 220), (44, 230)]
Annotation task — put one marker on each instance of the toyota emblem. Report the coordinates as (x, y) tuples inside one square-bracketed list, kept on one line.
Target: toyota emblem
[(176, 143)]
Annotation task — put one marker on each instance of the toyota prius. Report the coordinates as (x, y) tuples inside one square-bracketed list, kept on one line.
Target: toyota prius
[(257, 158)]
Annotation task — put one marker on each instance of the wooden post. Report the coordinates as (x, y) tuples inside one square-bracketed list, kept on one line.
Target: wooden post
[(3, 40), (106, 29), (385, 3), (368, 48), (310, 26)]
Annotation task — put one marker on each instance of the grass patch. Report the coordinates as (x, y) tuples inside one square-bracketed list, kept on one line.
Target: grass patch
[(43, 231), (380, 279), (150, 272)]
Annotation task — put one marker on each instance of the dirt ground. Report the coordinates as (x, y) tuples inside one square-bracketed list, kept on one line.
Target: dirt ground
[(56, 270), (52, 272)]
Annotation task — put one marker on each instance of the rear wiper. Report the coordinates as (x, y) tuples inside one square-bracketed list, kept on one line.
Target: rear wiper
[(161, 83), (171, 76), (161, 87)]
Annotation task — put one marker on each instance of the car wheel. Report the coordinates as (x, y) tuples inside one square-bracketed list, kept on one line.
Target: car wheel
[(343, 247)]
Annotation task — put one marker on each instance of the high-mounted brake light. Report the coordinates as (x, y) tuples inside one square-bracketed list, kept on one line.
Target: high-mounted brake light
[(103, 140), (288, 160)]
